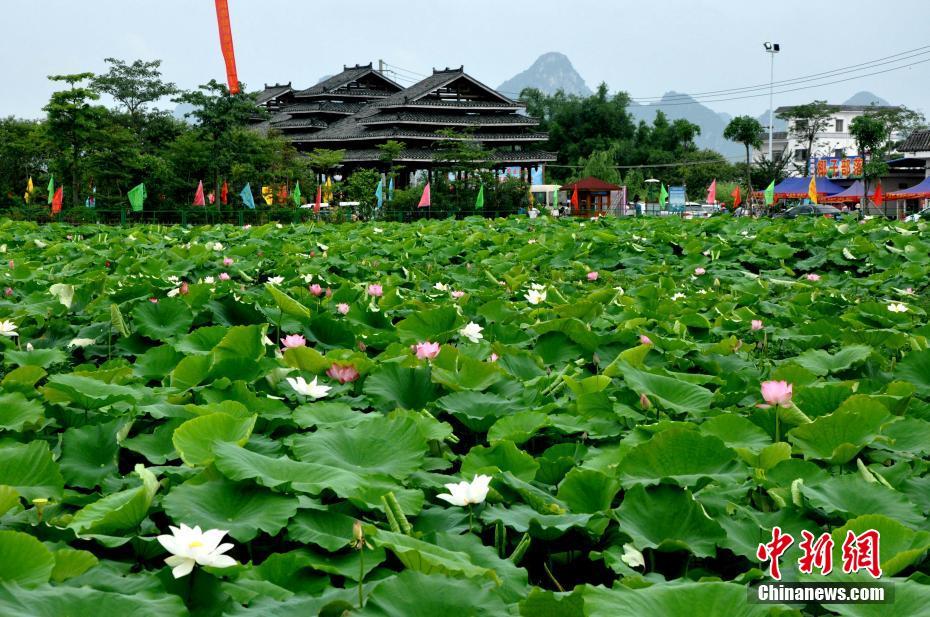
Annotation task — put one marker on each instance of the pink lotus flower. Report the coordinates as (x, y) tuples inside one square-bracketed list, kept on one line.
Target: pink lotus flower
[(813, 277), (756, 325), (343, 373), (12, 265), (777, 393), (316, 290), (8, 291), (644, 340), (343, 308), (699, 271), (375, 290), (293, 340), (184, 288), (247, 227), (153, 300), (329, 292), (224, 276), (426, 350), (227, 261), (457, 294), (362, 346), (592, 276), (493, 357)]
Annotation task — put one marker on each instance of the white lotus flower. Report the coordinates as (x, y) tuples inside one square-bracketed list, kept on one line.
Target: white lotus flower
[(312, 389), (467, 493), (632, 557), (209, 280), (440, 287), (8, 328), (535, 297), (537, 287), (191, 546), (472, 332), (678, 296), (275, 280), (173, 292), (308, 278), (897, 307), (217, 247), (81, 342)]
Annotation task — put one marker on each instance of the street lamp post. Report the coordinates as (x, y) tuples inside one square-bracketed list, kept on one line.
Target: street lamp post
[(772, 49)]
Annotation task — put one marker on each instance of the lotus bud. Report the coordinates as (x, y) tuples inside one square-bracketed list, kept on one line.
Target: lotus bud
[(644, 401), (40, 505)]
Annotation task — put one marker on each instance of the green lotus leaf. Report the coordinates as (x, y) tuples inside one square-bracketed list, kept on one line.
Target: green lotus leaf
[(435, 595), (325, 528), (394, 386), (70, 563), (23, 379), (821, 362), (191, 372), (839, 436), (708, 598), (242, 509), (523, 519), (851, 496), (667, 518), (49, 601), (89, 454), (502, 456), (910, 598), (684, 456), (671, 393), (202, 340), (587, 491), (157, 363), (899, 546), (87, 392), (30, 470), (476, 410), (164, 320), (518, 427), (436, 325), (458, 372), (9, 499), (24, 560), (42, 358), (195, 439), (915, 369), (17, 412), (428, 558), (287, 304), (117, 512)]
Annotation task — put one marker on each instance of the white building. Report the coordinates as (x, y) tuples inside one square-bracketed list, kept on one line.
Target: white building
[(835, 142)]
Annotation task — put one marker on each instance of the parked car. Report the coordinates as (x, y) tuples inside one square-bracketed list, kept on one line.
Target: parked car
[(808, 210), (923, 214)]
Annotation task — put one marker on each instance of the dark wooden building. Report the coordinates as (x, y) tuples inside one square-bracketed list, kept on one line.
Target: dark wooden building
[(360, 108)]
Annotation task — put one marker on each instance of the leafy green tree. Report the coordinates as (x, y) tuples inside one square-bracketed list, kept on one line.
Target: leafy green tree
[(807, 121), (134, 86), (218, 114), (765, 170), (74, 126), (600, 164), (745, 130), (323, 161), (871, 134), (23, 154)]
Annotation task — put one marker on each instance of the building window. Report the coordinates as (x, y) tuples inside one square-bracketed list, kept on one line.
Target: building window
[(839, 153), (800, 154), (839, 125)]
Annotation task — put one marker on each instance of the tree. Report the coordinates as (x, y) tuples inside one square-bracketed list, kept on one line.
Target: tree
[(218, 115), (765, 171), (600, 165), (133, 85), (23, 154), (807, 121), (745, 130), (322, 161), (74, 121), (871, 134)]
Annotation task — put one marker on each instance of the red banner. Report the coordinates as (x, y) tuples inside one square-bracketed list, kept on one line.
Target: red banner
[(226, 43)]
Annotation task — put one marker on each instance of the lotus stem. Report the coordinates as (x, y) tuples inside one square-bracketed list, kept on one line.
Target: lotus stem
[(392, 522), (522, 546), (361, 577), (398, 513), (552, 577)]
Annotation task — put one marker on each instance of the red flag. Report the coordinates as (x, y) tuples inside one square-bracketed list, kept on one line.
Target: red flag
[(425, 198), (319, 198), (575, 200), (198, 196), (282, 194), (737, 198), (878, 197), (211, 198), (57, 199), (712, 192), (226, 44), (224, 193)]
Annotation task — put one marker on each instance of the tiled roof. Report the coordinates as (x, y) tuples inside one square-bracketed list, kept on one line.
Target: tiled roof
[(271, 92), (298, 123), (324, 107), (918, 141), (400, 134), (406, 117), (425, 154), (347, 76)]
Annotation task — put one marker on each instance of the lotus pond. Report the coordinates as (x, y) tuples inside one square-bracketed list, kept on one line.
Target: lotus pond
[(299, 398)]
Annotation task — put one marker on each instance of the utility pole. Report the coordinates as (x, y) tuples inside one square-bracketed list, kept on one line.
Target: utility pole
[(381, 66), (772, 49)]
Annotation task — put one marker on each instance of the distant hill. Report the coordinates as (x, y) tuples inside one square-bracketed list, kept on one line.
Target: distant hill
[(676, 105), (550, 73), (865, 98)]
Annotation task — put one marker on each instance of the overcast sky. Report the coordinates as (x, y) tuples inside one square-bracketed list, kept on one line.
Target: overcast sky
[(645, 47)]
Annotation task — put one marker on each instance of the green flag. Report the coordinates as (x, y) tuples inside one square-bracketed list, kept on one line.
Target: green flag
[(770, 194), (663, 196), (296, 194), (137, 197), (51, 188), (479, 203)]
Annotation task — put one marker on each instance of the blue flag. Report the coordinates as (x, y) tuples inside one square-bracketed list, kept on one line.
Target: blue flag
[(391, 190), (379, 192), (246, 196), (536, 175)]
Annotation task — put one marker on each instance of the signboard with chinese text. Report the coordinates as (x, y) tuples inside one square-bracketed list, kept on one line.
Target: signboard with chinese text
[(837, 168)]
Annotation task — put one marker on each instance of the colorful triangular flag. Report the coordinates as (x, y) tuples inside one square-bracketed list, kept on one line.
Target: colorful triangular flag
[(425, 197)]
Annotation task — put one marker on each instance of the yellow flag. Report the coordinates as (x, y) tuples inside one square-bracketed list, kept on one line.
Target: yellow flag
[(29, 189), (328, 197), (812, 189), (268, 195)]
